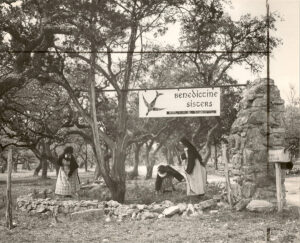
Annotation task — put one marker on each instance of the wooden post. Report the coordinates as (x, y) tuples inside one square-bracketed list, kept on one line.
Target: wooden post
[(86, 158), (267, 234), (8, 214), (226, 171), (278, 186)]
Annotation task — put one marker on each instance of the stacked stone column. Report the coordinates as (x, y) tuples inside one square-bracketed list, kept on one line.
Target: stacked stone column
[(254, 176)]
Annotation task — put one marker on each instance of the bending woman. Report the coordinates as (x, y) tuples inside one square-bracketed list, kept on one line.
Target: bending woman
[(195, 169)]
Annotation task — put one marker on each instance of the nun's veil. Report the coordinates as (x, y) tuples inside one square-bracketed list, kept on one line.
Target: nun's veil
[(192, 151)]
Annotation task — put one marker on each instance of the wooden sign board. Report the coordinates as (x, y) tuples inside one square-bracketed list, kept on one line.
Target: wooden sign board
[(278, 155), (180, 102)]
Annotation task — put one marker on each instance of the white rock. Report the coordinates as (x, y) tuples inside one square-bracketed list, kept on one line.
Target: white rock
[(141, 206), (41, 209), (108, 219), (190, 209), (182, 207), (207, 204), (147, 215), (170, 211), (167, 203), (260, 206), (113, 203), (195, 214)]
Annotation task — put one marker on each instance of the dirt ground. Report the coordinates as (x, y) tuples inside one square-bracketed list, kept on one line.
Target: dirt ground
[(222, 226)]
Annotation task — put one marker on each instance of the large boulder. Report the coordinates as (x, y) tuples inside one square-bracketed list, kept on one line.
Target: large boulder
[(260, 206)]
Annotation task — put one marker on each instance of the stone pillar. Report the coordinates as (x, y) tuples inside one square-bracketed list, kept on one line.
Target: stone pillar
[(254, 176)]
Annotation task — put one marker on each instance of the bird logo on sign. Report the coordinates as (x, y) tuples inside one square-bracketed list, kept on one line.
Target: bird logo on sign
[(151, 106)]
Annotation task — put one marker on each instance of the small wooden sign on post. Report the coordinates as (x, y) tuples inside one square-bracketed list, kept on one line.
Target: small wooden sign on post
[(279, 156)]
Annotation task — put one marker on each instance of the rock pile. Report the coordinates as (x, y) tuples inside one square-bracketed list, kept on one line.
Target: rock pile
[(255, 178), (112, 209)]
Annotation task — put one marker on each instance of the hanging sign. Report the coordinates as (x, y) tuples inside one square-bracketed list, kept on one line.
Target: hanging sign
[(179, 102), (279, 155)]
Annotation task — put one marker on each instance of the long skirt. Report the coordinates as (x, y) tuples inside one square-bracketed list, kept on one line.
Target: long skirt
[(67, 186), (196, 181)]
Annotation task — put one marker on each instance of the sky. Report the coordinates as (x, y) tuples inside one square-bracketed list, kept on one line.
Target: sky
[(284, 62)]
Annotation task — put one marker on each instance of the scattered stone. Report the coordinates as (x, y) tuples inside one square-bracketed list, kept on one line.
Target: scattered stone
[(147, 215), (182, 207), (207, 204), (195, 214), (134, 214), (218, 198), (190, 209), (167, 203), (141, 207), (157, 208), (223, 205), (242, 204), (94, 213), (111, 209), (108, 219), (113, 204), (213, 211), (41, 209), (170, 211), (260, 206)]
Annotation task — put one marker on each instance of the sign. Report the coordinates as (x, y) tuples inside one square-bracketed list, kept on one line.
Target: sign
[(179, 102), (278, 155)]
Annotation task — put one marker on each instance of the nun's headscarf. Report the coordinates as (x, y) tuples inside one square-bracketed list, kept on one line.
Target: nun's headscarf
[(192, 151), (68, 150)]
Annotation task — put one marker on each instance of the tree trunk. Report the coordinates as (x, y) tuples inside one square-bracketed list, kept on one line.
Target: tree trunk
[(169, 152), (215, 157), (37, 169), (118, 172), (8, 214), (210, 135), (116, 178), (86, 159), (15, 164), (148, 162), (135, 171), (149, 171), (44, 163), (97, 172)]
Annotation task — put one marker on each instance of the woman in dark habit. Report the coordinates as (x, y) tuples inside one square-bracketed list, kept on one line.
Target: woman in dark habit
[(195, 169)]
